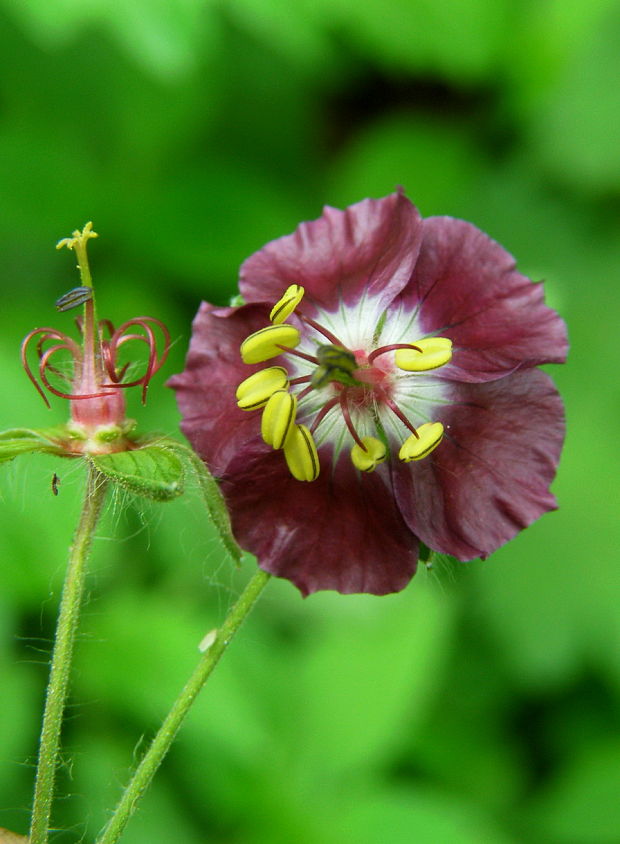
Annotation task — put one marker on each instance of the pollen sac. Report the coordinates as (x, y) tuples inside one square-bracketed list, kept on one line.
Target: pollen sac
[(368, 460), (256, 390), (285, 306), (434, 352), (415, 448), (74, 298), (301, 454), (278, 418), (266, 343)]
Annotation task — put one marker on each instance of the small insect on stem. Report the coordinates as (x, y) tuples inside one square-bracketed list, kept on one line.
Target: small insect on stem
[(207, 641), (55, 482)]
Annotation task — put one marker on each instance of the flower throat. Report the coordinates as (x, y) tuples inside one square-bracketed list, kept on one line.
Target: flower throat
[(351, 380)]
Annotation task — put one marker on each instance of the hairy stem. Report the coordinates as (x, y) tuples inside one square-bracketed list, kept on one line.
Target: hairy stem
[(216, 506), (58, 685), (169, 728)]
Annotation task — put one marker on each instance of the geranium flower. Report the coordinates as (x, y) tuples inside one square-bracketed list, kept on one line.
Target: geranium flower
[(378, 388)]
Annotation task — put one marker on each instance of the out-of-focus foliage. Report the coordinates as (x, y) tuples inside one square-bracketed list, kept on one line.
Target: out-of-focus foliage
[(481, 704)]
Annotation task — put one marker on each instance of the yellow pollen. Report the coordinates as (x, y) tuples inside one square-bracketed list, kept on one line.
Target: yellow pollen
[(415, 448), (265, 343), (255, 391), (436, 351), (278, 418), (368, 460), (285, 306), (301, 454)]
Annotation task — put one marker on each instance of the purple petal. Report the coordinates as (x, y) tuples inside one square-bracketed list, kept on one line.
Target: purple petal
[(466, 288), (339, 532), (369, 249), (205, 390), (490, 476)]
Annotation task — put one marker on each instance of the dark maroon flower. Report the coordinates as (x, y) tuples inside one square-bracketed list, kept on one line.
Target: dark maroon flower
[(394, 361)]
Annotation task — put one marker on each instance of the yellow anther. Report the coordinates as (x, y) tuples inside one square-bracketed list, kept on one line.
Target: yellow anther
[(255, 391), (301, 454), (285, 306), (368, 460), (265, 343), (430, 435), (436, 351), (278, 418)]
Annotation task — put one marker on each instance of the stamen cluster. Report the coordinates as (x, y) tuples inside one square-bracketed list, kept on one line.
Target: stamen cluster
[(350, 379)]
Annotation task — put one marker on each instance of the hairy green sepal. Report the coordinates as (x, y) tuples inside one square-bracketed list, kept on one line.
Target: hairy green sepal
[(151, 471), (213, 498), (18, 441), (426, 556), (157, 470), (153, 468)]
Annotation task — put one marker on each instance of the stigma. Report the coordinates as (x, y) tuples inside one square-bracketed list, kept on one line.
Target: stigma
[(327, 381)]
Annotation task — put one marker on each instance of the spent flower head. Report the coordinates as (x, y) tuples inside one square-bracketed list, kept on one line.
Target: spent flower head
[(377, 390), (96, 379), (92, 372)]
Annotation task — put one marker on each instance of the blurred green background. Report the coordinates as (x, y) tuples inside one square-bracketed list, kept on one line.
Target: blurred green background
[(479, 705)]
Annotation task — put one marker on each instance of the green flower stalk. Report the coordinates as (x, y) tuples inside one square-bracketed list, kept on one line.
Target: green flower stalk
[(66, 629), (92, 373)]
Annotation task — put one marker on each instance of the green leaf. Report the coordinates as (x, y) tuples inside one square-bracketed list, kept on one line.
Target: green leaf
[(18, 441), (152, 471), (438, 159), (575, 126), (581, 802), (359, 719), (427, 38), (214, 500), (168, 37), (424, 814)]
